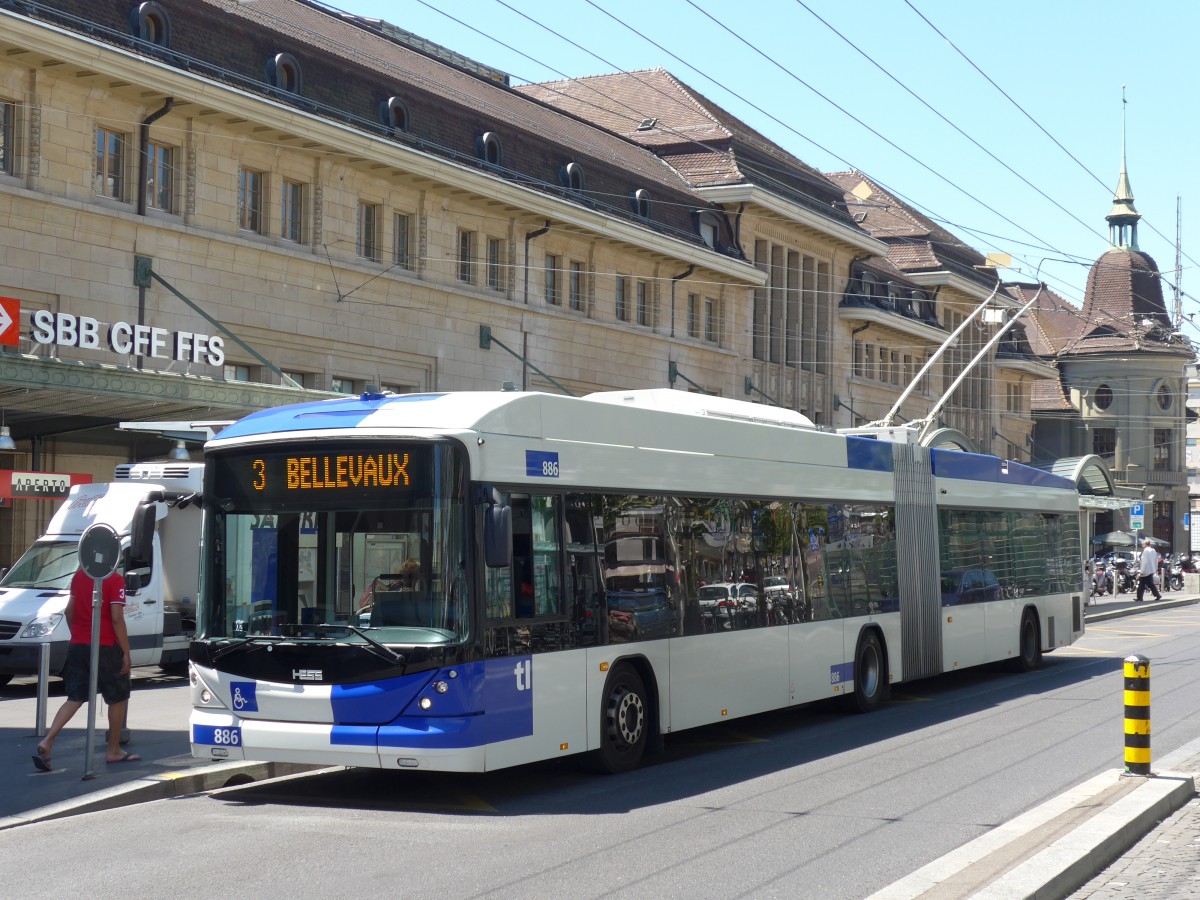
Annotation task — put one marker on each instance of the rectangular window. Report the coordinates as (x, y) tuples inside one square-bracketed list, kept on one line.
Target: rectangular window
[(234, 372), (160, 177), (339, 385), (1104, 443), (8, 150), (301, 378), (250, 198), (291, 226), (1163, 438), (400, 239), (110, 164), (575, 285), (368, 230), (495, 262), (553, 291), (622, 298), (643, 304), (712, 329), (465, 256), (693, 315)]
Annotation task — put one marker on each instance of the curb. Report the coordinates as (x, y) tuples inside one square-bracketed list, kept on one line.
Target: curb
[(1137, 609), (159, 787), (1070, 862)]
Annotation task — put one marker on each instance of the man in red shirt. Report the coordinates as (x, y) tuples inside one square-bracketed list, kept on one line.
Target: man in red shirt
[(113, 669)]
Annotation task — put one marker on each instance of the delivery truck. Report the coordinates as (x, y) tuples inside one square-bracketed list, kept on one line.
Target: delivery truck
[(154, 507)]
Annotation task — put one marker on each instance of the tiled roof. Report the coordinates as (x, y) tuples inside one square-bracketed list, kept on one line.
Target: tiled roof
[(303, 25), (915, 242), (1050, 395), (1125, 285), (658, 111)]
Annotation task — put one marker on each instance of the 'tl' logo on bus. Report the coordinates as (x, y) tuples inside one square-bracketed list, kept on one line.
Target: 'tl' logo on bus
[(524, 673)]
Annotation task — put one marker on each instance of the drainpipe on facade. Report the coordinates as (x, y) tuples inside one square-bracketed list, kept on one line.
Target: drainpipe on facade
[(143, 171), (143, 151), (529, 237), (674, 281)]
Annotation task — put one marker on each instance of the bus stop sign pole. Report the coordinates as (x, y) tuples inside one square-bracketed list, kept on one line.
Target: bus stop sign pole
[(99, 550)]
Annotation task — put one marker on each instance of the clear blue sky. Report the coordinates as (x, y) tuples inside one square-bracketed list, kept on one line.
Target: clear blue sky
[(769, 62)]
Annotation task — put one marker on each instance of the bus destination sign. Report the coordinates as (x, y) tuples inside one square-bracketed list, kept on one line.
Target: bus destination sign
[(335, 472), (318, 478)]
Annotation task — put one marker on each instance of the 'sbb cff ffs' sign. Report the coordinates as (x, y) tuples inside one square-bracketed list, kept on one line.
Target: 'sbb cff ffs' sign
[(84, 332)]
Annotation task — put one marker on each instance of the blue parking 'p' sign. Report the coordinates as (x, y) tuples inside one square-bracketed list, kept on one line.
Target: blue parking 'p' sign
[(541, 464)]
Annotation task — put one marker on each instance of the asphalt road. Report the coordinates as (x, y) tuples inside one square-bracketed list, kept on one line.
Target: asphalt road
[(812, 802)]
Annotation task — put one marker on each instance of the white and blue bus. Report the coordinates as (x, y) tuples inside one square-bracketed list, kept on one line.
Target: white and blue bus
[(468, 581)]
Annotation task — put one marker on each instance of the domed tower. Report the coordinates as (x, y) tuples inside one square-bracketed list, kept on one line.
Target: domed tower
[(1123, 367), (1124, 287)]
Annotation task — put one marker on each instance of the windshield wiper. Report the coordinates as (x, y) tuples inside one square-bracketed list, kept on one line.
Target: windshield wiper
[(244, 643), (373, 645)]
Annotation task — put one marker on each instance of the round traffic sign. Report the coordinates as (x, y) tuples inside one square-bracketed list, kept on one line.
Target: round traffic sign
[(99, 551)]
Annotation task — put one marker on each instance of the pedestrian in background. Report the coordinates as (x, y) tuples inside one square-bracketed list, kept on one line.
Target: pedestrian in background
[(1147, 567), (112, 669)]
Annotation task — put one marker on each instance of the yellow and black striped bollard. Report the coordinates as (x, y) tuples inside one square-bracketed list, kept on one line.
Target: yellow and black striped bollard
[(1137, 715)]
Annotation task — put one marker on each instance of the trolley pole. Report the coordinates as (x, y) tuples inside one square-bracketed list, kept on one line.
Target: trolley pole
[(1137, 715)]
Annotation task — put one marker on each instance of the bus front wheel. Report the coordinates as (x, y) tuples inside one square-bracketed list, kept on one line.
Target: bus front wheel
[(625, 724), (870, 678)]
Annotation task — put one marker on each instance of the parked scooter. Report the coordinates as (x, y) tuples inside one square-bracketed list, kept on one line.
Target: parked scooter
[(1123, 575), (1175, 573)]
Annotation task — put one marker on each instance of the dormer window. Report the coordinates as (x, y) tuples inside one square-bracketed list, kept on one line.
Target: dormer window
[(149, 22), (708, 226), (868, 284), (283, 73), (489, 149), (641, 203), (572, 177), (393, 112)]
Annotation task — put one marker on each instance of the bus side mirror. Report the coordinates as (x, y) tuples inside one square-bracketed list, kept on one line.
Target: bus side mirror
[(141, 536), (497, 536)]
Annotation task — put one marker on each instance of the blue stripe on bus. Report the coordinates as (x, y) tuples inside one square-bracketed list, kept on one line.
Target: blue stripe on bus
[(868, 453), (348, 413), (485, 702), (977, 467)]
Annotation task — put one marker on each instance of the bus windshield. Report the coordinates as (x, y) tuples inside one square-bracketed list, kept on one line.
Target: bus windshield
[(368, 537)]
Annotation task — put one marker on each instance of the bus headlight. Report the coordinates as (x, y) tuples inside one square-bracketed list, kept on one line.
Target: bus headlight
[(425, 703), (441, 687), (42, 626)]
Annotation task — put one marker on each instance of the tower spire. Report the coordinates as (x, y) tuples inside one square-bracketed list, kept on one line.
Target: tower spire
[(1123, 219)]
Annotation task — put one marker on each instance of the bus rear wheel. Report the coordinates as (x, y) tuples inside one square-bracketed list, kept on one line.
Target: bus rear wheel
[(869, 674), (625, 723), (1029, 655)]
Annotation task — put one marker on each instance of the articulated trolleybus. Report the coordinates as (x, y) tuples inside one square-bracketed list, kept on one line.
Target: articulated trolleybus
[(468, 581)]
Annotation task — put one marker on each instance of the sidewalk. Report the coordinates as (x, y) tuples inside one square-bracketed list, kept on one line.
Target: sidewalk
[(1110, 838), (158, 724), (1090, 832)]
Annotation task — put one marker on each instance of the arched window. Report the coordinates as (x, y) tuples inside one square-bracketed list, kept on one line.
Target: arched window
[(489, 148), (393, 112), (572, 177), (149, 22), (283, 73), (641, 203)]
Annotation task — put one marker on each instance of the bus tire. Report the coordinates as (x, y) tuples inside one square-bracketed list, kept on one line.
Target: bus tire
[(870, 681), (1029, 645), (624, 721)]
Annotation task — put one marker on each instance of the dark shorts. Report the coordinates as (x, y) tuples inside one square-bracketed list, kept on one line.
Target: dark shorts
[(110, 683)]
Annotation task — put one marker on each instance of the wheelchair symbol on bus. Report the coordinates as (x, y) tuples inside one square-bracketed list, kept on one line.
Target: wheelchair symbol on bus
[(243, 696)]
